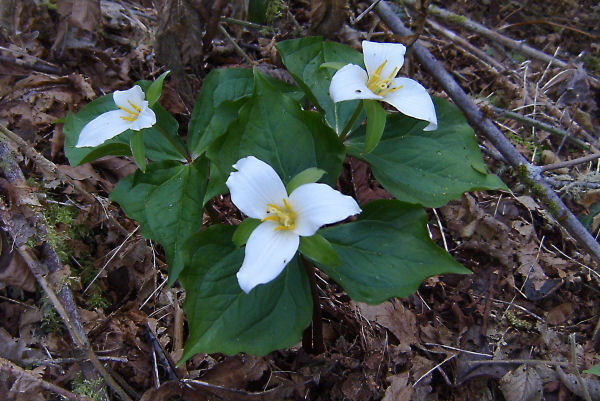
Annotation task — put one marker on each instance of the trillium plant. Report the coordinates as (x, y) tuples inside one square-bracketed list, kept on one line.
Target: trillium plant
[(273, 153)]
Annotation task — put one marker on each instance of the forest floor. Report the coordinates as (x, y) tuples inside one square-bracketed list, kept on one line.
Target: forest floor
[(523, 326)]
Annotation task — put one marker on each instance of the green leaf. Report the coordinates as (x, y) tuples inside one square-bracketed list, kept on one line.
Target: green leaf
[(595, 370), (157, 148), (221, 317), (257, 11), (155, 89), (386, 253), (243, 231), (274, 128), (308, 176), (427, 167), (167, 202), (137, 150), (319, 250), (304, 59), (335, 65), (376, 116), (223, 92)]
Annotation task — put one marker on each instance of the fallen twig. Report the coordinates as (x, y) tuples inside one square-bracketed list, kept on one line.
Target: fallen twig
[(58, 292), (529, 173), (584, 389), (482, 30), (538, 124), (7, 366), (569, 163), (477, 53)]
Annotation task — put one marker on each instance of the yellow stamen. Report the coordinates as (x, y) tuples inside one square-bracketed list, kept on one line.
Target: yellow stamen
[(126, 110), (379, 85), (134, 106), (284, 216), (132, 115)]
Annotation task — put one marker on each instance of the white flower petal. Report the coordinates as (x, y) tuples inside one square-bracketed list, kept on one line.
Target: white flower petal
[(134, 95), (146, 118), (350, 82), (319, 204), (267, 253), (102, 128), (413, 100), (375, 54), (253, 186)]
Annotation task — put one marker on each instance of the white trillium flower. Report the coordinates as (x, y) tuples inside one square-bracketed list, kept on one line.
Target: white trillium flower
[(133, 114), (379, 82), (258, 192)]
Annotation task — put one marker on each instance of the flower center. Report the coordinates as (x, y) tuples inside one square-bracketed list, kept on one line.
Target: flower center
[(379, 85), (285, 217), (132, 114)]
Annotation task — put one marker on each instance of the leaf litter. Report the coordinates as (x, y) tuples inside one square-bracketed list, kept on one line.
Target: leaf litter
[(531, 285)]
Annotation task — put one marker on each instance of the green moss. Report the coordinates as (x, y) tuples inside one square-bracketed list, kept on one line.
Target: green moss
[(538, 190), (553, 208), (88, 388), (518, 323), (51, 321), (275, 9), (96, 299), (592, 63), (457, 19)]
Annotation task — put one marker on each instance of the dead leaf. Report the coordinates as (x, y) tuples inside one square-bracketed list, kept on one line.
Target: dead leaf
[(560, 314), (84, 14), (522, 384), (399, 389), (327, 16), (237, 371), (571, 382), (396, 318), (13, 269)]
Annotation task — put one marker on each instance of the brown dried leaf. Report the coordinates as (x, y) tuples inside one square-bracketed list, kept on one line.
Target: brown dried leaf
[(396, 318), (522, 384), (399, 389), (84, 14), (237, 371), (560, 314), (571, 382), (327, 16)]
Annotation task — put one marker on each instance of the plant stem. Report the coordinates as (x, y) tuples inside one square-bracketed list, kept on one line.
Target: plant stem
[(312, 338), (174, 143), (351, 122)]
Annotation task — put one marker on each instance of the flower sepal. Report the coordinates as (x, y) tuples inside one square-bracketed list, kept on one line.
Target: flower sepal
[(318, 250), (376, 117), (136, 144)]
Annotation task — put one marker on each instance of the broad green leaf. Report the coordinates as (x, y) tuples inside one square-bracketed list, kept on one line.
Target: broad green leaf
[(427, 167), (221, 317), (167, 202), (156, 146), (257, 11), (307, 176), (243, 231), (155, 89), (375, 124), (137, 150), (319, 250), (386, 253), (336, 65), (595, 370), (307, 60), (274, 128), (223, 92)]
